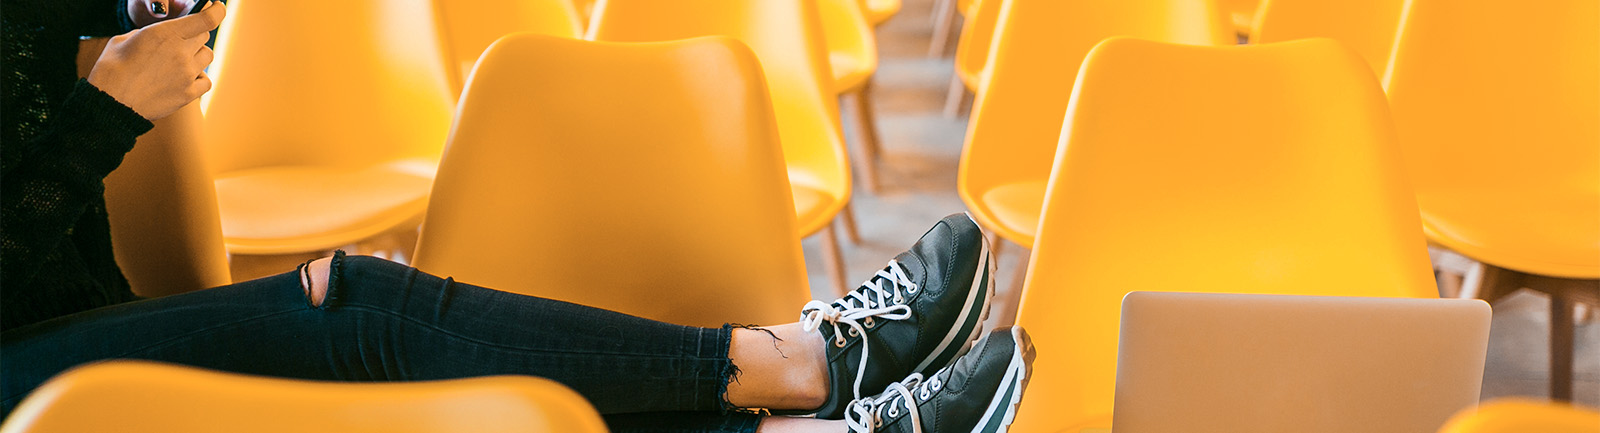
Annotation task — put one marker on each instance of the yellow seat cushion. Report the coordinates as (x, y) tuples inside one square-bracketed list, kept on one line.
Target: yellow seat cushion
[(316, 207)]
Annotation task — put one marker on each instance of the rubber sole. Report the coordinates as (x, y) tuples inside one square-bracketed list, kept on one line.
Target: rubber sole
[(1002, 409)]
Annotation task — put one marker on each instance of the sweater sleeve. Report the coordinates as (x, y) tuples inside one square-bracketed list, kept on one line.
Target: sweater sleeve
[(49, 181)]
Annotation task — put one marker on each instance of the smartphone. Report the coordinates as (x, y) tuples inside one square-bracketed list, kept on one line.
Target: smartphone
[(198, 6)]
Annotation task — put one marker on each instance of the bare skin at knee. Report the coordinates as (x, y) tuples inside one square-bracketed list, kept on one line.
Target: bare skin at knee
[(318, 271), (786, 369), (783, 424)]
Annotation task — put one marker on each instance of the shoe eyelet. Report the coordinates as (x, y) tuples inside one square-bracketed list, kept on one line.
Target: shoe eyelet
[(924, 395), (868, 322), (854, 333), (936, 385), (838, 342), (894, 411)]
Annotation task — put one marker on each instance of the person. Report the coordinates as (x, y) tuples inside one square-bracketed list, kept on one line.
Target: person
[(896, 354)]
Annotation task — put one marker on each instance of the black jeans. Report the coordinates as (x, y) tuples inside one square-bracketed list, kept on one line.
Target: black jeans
[(383, 321)]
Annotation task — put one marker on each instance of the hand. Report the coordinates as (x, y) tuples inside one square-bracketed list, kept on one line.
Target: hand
[(147, 12), (160, 68)]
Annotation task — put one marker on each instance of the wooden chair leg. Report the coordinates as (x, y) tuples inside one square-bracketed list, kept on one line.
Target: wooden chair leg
[(1007, 315), (847, 216), (874, 143), (954, 97), (834, 260), (1561, 329), (1449, 283), (861, 128), (943, 26)]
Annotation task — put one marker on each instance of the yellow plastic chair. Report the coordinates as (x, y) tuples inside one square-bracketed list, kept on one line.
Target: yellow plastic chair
[(1242, 14), (1502, 141), (1516, 415), (163, 206), (972, 53), (853, 56), (1366, 26), (1268, 169), (469, 27), (326, 121), (879, 11), (147, 397), (787, 36), (1016, 118), (641, 178)]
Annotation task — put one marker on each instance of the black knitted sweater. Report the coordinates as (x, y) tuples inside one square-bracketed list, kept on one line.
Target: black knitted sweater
[(61, 137)]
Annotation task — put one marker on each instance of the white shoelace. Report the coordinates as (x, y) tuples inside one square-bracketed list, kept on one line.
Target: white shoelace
[(857, 310), (866, 415)]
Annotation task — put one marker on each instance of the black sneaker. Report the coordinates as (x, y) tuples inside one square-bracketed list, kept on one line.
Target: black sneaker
[(917, 315), (978, 394)]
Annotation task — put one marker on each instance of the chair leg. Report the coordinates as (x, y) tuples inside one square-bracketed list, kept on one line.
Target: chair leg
[(862, 129), (993, 239), (1561, 329), (954, 98), (870, 123), (1013, 294), (847, 216), (943, 25), (834, 260)]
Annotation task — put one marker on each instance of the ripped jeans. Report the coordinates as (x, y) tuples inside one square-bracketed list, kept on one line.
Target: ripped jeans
[(384, 321)]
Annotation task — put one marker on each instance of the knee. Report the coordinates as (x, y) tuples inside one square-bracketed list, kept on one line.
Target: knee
[(314, 280)]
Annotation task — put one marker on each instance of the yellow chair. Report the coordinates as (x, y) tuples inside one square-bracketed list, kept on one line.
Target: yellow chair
[(163, 206), (147, 397), (1366, 26), (853, 56), (469, 27), (326, 121), (642, 178), (787, 36), (879, 11), (1515, 415), (1502, 141), (1242, 13), (972, 53), (1267, 169), (1016, 118)]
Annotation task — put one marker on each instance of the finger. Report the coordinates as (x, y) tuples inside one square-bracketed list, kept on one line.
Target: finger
[(194, 25), (159, 8), (200, 86), (203, 58)]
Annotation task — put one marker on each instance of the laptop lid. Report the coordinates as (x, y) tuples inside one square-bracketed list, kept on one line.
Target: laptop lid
[(1206, 362)]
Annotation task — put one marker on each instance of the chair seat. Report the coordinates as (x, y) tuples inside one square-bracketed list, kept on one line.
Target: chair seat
[(278, 210), (1551, 232), (849, 71), (813, 208), (1013, 210)]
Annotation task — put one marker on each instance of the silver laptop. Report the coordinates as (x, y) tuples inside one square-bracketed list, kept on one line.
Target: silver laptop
[(1204, 362)]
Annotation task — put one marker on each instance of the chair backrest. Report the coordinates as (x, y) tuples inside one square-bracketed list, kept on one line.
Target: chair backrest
[(1518, 415), (1366, 26), (1034, 62), (1264, 169), (341, 84), (469, 27), (146, 397), (977, 37), (847, 32), (641, 178), (787, 36), (1484, 116), (163, 205)]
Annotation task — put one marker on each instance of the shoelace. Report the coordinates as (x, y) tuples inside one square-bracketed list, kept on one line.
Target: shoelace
[(866, 415), (857, 309)]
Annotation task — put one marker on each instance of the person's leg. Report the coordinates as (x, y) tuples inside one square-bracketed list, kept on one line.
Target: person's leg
[(384, 321)]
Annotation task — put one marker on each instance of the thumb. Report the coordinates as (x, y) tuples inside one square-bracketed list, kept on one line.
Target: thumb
[(198, 23)]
